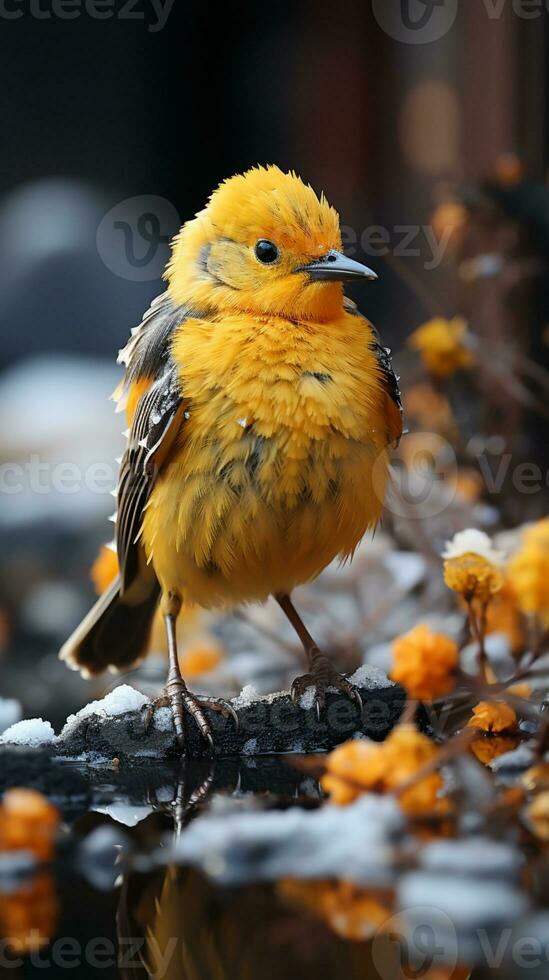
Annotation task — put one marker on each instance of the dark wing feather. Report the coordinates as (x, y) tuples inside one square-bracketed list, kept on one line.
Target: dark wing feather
[(390, 379), (147, 353), (157, 420)]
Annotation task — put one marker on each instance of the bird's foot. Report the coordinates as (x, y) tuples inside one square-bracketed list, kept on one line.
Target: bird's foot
[(183, 803), (322, 677), (181, 701)]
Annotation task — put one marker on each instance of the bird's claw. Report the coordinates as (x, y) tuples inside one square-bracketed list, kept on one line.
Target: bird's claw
[(322, 679), (181, 701), (219, 704)]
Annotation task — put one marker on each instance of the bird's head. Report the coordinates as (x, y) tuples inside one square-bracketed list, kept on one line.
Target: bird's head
[(264, 244)]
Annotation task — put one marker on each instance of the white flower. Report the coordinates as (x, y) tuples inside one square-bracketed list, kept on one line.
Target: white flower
[(473, 542)]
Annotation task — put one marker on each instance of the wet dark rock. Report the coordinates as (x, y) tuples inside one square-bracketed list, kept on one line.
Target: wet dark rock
[(272, 725)]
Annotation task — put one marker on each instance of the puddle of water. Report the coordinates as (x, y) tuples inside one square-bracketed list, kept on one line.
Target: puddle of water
[(223, 895)]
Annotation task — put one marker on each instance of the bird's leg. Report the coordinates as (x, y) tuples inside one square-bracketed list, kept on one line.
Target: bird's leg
[(176, 693), (182, 805), (321, 675)]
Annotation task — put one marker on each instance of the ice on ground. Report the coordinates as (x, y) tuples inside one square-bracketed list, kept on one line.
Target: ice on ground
[(117, 702), (10, 713), (32, 732), (371, 678), (353, 842)]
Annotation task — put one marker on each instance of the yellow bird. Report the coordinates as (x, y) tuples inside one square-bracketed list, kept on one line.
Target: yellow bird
[(265, 407)]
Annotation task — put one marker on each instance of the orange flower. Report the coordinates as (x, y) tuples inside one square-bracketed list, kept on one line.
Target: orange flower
[(473, 577), (351, 912), (28, 822), (28, 917), (424, 662), (493, 716), (445, 346), (538, 815), (362, 766), (468, 484), (354, 767), (486, 748), (471, 566), (537, 777), (504, 616), (448, 222), (200, 659), (509, 169), (528, 571), (430, 409)]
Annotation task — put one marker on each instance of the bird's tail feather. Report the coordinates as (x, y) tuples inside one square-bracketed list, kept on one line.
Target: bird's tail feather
[(115, 633)]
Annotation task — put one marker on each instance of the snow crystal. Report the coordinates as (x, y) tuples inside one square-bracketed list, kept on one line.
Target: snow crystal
[(117, 702), (371, 678), (163, 719), (10, 713), (246, 697), (307, 699), (353, 842), (32, 732)]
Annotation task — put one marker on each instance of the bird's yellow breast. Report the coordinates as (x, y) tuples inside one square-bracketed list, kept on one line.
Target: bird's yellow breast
[(281, 464)]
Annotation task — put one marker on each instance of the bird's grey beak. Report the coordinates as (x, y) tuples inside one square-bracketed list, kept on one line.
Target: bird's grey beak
[(336, 266)]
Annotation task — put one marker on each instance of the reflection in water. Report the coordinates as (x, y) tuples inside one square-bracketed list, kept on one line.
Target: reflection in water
[(28, 915), (193, 930), (188, 929)]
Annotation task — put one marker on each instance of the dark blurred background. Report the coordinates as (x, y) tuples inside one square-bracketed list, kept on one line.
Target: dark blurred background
[(116, 129)]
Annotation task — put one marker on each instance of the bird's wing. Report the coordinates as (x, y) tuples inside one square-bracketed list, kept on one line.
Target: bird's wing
[(147, 353), (390, 380), (158, 416)]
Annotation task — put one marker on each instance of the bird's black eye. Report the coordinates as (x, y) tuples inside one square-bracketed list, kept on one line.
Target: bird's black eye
[(266, 251)]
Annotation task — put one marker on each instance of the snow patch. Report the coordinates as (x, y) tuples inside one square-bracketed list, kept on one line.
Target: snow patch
[(372, 678), (250, 747), (117, 702), (246, 697), (32, 732), (353, 842), (163, 720), (307, 699)]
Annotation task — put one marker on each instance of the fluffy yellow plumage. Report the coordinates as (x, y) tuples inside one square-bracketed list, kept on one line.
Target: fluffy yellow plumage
[(223, 526), (259, 448)]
